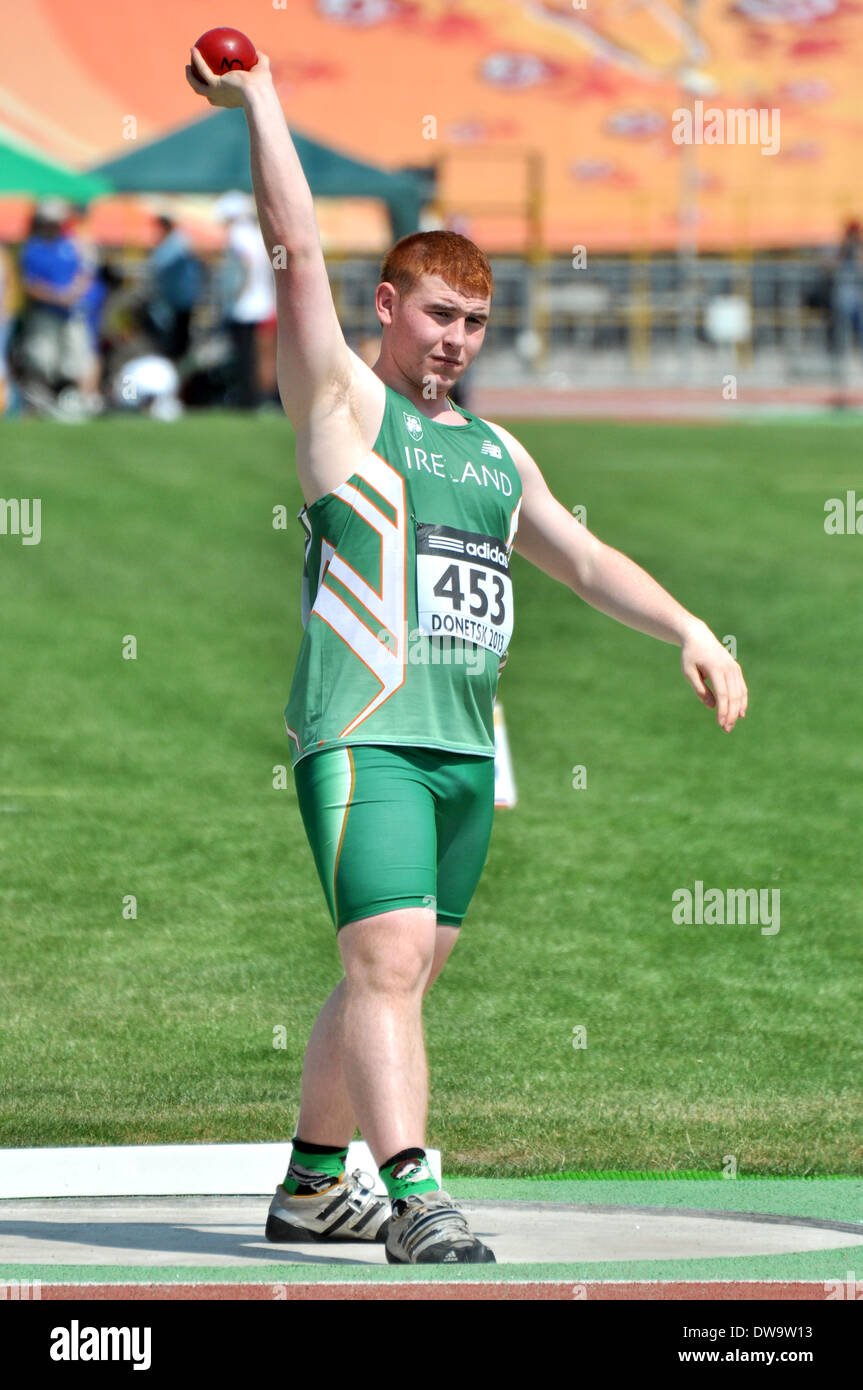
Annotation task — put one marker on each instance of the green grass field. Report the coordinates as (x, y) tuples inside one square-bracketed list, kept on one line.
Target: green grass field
[(154, 778)]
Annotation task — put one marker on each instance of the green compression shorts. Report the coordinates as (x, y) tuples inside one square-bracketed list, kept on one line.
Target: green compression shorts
[(393, 826)]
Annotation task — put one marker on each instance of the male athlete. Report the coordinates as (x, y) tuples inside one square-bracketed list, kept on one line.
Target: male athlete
[(412, 510)]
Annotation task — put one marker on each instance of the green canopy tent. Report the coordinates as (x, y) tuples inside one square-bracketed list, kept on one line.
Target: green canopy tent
[(212, 155), (24, 170)]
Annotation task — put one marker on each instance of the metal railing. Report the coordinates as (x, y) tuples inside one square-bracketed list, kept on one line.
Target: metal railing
[(632, 316)]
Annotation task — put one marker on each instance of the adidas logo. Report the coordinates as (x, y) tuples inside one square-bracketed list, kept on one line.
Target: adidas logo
[(450, 1259)]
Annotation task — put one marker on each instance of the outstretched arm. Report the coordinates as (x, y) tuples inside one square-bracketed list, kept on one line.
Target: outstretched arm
[(551, 538)]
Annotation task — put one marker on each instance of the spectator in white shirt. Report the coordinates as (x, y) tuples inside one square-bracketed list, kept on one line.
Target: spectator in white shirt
[(248, 296)]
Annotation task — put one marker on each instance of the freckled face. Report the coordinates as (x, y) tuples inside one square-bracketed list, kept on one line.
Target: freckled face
[(438, 332)]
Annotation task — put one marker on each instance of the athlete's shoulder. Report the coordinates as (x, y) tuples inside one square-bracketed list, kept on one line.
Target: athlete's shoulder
[(518, 453), (509, 439)]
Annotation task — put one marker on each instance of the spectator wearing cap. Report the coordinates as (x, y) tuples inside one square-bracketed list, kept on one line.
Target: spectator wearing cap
[(55, 345), (248, 298)]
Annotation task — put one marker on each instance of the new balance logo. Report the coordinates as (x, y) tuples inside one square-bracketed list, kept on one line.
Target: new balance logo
[(489, 448)]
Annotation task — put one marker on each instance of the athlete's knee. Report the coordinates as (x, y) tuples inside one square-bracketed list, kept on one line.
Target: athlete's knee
[(391, 952)]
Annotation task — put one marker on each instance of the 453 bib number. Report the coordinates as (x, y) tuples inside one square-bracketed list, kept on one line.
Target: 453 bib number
[(463, 586)]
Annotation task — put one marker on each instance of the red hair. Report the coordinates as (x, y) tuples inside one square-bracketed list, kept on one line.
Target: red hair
[(453, 257)]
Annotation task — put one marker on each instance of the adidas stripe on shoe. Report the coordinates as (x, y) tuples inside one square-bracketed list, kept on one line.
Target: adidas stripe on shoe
[(349, 1210), (430, 1228)]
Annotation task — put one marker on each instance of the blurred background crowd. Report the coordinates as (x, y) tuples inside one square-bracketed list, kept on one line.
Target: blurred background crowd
[(133, 274), (81, 335)]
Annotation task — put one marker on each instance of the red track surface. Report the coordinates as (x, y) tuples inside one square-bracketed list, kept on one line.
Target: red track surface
[(690, 404), (534, 1290)]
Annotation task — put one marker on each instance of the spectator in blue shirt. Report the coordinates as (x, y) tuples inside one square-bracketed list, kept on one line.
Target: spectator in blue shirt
[(55, 345)]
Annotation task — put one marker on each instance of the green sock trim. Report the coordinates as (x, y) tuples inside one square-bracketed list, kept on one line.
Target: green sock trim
[(307, 1169), (407, 1176)]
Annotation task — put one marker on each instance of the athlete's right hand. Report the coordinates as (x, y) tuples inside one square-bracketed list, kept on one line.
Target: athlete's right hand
[(233, 87)]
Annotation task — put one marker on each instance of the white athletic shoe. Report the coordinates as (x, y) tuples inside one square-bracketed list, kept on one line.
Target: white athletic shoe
[(430, 1228), (349, 1210)]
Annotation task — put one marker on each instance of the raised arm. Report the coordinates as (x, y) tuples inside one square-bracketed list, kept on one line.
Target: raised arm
[(314, 363)]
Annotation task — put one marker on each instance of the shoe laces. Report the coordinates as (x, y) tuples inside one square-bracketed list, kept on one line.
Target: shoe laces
[(432, 1199)]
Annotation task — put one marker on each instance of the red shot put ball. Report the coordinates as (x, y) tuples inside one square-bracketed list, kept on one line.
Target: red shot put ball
[(226, 50)]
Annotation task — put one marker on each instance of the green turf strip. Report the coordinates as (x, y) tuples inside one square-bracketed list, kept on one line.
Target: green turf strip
[(814, 1264), (835, 1200), (664, 1177)]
